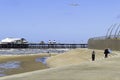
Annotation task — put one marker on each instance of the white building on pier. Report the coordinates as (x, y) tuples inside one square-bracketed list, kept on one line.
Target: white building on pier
[(13, 41)]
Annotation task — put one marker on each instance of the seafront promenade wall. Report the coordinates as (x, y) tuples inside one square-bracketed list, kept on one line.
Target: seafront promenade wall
[(113, 44)]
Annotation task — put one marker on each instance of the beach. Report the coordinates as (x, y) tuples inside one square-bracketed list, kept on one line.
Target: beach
[(75, 64)]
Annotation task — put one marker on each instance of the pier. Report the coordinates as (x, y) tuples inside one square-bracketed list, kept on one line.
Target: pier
[(43, 46)]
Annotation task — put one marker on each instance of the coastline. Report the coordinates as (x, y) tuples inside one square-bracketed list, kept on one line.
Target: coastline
[(84, 69)]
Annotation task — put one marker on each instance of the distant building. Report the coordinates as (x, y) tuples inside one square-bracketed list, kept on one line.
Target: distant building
[(42, 42), (13, 41), (49, 42), (54, 42)]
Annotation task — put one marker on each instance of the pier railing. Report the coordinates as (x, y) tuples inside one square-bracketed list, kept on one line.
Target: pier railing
[(43, 46), (57, 45)]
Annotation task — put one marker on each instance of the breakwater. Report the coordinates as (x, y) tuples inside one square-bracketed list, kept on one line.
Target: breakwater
[(43, 46)]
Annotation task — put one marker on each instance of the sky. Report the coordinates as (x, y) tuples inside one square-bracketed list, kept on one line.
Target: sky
[(67, 21)]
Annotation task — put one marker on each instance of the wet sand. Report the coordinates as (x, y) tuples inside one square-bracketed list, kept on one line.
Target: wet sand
[(71, 69), (27, 63)]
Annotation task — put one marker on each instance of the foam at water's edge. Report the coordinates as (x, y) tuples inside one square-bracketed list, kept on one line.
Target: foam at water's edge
[(30, 51)]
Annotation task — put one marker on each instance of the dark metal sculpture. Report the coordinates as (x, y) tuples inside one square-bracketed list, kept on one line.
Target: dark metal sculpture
[(113, 31), (115, 35)]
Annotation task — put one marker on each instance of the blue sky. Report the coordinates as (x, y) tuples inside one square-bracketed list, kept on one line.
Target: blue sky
[(72, 21)]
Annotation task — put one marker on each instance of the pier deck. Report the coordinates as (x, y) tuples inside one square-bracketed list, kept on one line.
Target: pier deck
[(43, 46)]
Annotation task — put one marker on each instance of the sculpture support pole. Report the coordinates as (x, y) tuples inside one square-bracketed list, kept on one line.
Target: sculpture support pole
[(109, 30), (112, 30), (115, 36)]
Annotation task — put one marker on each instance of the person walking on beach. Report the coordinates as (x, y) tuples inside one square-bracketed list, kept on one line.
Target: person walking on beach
[(93, 55), (106, 52)]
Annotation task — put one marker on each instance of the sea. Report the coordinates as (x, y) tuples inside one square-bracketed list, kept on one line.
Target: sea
[(17, 64), (30, 51)]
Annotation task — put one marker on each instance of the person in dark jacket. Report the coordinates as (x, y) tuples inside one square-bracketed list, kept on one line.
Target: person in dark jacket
[(93, 56), (106, 52)]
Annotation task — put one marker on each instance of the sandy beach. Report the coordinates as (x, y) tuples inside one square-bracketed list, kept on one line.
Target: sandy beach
[(75, 65)]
